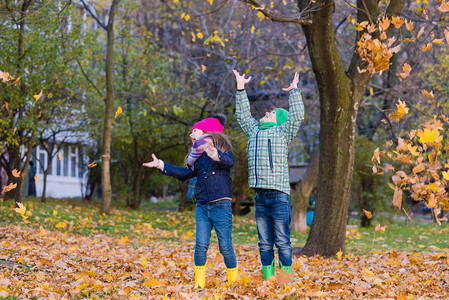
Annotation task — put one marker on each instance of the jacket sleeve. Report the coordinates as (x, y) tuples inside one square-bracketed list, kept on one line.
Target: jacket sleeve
[(226, 159), (178, 172), (295, 115), (243, 113)]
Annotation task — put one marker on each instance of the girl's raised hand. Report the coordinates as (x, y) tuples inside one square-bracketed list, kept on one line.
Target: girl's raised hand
[(294, 84), (156, 163), (241, 80)]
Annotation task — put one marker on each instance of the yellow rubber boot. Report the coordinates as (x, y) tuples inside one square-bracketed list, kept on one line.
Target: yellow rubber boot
[(232, 274), (200, 277)]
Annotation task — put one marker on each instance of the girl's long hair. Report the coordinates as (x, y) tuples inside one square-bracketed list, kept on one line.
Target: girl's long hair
[(221, 142)]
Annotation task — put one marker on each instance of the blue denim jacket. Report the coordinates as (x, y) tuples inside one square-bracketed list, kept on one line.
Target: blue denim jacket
[(213, 177)]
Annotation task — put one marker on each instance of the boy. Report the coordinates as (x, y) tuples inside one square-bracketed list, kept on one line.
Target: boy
[(268, 171)]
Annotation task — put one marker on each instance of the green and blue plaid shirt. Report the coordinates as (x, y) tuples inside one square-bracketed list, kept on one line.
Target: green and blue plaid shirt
[(268, 149)]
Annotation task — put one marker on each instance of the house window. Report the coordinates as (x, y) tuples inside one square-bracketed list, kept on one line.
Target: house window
[(80, 163), (58, 165), (65, 162), (73, 161)]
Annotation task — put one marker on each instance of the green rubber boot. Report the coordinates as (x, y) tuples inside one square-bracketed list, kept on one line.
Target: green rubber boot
[(268, 271), (287, 269)]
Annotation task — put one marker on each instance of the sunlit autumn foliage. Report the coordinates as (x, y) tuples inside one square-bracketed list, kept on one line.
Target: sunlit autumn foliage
[(422, 164)]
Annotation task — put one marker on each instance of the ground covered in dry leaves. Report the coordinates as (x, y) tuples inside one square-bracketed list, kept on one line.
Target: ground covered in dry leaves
[(46, 264)]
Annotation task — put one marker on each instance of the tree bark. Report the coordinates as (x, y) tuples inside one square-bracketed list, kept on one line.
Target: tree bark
[(302, 195)]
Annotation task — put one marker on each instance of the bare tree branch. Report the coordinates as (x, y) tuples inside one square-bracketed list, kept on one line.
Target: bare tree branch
[(93, 15)]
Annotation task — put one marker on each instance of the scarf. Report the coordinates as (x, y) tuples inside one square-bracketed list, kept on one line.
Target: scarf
[(281, 117)]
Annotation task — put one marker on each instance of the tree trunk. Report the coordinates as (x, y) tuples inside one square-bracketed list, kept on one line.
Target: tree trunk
[(108, 118), (302, 195), (137, 181), (340, 94)]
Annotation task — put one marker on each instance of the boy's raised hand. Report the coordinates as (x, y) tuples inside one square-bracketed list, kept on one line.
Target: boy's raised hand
[(156, 163), (294, 84), (241, 80)]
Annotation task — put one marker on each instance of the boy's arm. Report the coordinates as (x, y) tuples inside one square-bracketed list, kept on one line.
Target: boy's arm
[(295, 115), (243, 113)]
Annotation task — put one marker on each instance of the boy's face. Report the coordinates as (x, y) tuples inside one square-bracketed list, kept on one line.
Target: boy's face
[(196, 133), (270, 116)]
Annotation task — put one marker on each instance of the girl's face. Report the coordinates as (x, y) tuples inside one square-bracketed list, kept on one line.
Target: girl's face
[(196, 133)]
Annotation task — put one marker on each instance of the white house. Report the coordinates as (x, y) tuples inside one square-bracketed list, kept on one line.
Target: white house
[(68, 172)]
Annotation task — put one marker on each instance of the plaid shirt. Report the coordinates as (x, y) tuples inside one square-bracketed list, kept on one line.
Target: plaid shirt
[(268, 149)]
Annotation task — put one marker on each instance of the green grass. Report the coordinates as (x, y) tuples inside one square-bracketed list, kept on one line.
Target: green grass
[(83, 218)]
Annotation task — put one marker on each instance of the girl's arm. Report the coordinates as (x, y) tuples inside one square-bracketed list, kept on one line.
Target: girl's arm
[(169, 169), (223, 159)]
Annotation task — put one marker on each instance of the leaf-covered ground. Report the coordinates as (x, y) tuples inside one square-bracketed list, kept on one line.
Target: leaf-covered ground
[(64, 253)]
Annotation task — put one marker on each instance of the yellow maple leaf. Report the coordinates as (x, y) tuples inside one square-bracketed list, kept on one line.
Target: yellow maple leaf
[(409, 25), (200, 35), (445, 175), (446, 35), (426, 47), (252, 29), (260, 15), (36, 178), (59, 155), (37, 97), (118, 112), (428, 94), (397, 21), (368, 214), (428, 135), (152, 282), (9, 187), (15, 173), (92, 164), (401, 111), (385, 23), (444, 7), (210, 2), (21, 210), (406, 70)]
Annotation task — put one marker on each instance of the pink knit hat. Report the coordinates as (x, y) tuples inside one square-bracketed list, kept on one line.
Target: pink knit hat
[(209, 125)]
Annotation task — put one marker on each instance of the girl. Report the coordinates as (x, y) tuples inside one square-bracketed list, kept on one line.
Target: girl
[(210, 160)]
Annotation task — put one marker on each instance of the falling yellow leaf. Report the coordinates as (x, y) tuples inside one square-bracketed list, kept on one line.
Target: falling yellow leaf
[(444, 7), (9, 187), (339, 254), (118, 112), (200, 35), (21, 210), (446, 35), (406, 71), (91, 165), (428, 94), (384, 23), (203, 68), (397, 198), (445, 175), (428, 135), (59, 155), (401, 111), (15, 173), (210, 2), (36, 178), (426, 47), (368, 214), (260, 15), (409, 25), (37, 97), (187, 17), (252, 29), (421, 31)]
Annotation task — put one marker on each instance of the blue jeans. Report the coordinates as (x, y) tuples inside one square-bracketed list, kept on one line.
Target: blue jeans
[(273, 218), (216, 215)]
